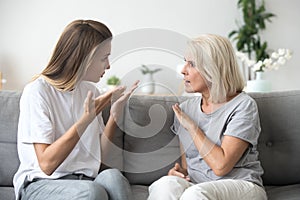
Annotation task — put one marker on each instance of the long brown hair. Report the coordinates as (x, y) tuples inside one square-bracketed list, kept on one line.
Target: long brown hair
[(75, 45)]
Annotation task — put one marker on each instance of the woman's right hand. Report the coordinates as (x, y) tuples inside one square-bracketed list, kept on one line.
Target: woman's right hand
[(177, 170), (119, 100), (89, 113), (105, 99), (92, 107)]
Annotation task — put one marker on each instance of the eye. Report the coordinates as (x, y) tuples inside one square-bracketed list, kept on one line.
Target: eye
[(104, 59), (191, 63)]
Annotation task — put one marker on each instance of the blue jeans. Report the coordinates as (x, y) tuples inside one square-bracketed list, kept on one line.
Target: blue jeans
[(109, 184)]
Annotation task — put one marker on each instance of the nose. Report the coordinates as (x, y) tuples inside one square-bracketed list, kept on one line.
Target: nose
[(184, 69), (108, 66)]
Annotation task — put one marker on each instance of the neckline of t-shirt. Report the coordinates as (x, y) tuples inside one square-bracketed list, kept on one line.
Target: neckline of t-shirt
[(220, 108)]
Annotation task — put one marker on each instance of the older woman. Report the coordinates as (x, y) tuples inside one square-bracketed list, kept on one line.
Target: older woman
[(218, 130)]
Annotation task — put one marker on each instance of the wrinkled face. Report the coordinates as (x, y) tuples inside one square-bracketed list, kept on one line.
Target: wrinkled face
[(99, 64), (193, 80)]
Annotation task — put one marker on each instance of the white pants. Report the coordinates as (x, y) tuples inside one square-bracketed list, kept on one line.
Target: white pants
[(174, 188)]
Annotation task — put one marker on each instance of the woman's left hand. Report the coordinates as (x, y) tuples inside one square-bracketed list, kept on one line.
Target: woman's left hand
[(183, 118)]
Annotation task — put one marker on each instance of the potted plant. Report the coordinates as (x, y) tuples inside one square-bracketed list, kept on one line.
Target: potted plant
[(146, 70), (252, 51), (148, 85), (113, 81), (247, 36)]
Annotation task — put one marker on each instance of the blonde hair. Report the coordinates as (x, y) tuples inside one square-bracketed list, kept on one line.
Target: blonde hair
[(73, 52), (215, 59)]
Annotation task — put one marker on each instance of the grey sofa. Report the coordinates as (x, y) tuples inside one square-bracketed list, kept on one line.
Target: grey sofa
[(144, 148)]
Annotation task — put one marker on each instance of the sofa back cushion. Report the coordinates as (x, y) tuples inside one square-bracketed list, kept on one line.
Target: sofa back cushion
[(280, 137), (9, 107), (150, 147)]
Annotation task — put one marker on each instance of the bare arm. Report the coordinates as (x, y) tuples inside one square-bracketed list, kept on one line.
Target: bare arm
[(221, 159), (116, 113), (107, 137), (180, 170), (50, 156)]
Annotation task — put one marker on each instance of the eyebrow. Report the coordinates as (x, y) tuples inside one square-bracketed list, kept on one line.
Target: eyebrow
[(189, 61)]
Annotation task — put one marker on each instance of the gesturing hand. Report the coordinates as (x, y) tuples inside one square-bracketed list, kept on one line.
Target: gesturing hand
[(177, 170), (119, 99), (89, 113), (92, 107), (183, 118), (104, 100)]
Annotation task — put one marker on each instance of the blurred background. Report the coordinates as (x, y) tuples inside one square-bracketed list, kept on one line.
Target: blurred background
[(30, 29)]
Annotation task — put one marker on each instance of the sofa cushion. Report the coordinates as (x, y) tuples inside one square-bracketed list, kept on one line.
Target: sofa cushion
[(289, 192), (7, 193), (150, 148), (280, 137), (9, 104)]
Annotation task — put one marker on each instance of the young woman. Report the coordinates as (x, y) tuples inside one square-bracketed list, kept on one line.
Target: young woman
[(61, 134), (218, 130)]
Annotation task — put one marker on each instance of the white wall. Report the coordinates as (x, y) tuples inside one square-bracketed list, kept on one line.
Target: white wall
[(30, 29)]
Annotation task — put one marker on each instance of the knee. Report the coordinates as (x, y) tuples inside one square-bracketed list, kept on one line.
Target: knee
[(165, 180), (158, 184), (112, 175), (116, 185), (112, 178), (167, 183), (174, 180), (89, 190), (167, 187), (96, 192), (194, 192)]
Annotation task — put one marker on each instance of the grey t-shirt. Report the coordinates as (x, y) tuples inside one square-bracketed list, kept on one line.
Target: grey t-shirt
[(238, 118)]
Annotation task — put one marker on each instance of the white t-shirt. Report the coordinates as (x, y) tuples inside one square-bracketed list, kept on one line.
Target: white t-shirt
[(45, 115)]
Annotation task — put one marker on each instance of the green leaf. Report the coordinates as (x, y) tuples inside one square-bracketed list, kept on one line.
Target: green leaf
[(247, 37), (232, 33), (113, 80)]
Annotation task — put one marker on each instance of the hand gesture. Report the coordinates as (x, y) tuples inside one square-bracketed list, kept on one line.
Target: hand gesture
[(177, 170), (104, 100), (119, 99), (183, 118), (89, 113), (92, 107)]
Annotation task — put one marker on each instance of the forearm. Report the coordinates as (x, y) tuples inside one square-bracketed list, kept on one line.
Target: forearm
[(183, 160), (102, 102), (223, 158), (51, 156), (107, 137), (212, 154)]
